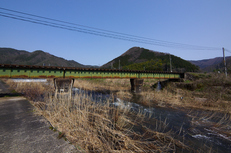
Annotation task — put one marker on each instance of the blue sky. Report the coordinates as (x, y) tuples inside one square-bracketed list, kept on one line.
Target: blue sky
[(194, 22)]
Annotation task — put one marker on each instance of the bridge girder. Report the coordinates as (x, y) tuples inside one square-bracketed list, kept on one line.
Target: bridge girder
[(26, 71)]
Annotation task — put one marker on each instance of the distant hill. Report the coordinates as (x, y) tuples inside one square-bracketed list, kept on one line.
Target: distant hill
[(214, 64), (137, 58), (207, 62), (21, 57)]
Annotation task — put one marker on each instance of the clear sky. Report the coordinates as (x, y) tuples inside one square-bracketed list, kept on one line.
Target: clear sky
[(194, 22)]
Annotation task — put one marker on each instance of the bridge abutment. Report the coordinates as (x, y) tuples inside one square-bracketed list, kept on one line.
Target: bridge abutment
[(63, 86), (136, 85)]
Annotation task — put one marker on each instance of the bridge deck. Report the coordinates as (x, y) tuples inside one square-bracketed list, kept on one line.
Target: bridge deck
[(27, 71)]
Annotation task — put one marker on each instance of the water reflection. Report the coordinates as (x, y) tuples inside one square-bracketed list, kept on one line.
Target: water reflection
[(158, 88)]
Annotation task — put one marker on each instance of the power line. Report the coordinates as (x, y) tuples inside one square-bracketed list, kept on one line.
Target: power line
[(227, 50), (76, 29), (49, 23), (96, 31), (72, 28), (163, 43)]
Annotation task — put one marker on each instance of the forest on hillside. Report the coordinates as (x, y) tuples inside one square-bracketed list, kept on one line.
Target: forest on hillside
[(152, 61)]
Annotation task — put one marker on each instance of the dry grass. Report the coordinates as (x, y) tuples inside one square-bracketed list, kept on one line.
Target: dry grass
[(207, 92), (103, 85), (32, 90), (212, 92), (100, 127)]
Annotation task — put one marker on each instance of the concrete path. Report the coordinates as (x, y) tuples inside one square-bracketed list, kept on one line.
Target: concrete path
[(23, 131)]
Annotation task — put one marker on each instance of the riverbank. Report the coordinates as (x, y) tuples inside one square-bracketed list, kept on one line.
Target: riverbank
[(200, 91)]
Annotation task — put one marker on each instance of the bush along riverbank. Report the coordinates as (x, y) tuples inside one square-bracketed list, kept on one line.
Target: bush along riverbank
[(158, 121)]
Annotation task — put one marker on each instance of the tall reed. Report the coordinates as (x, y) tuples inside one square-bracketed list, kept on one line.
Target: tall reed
[(102, 126)]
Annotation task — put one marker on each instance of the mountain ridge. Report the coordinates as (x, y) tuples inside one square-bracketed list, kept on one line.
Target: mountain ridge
[(212, 64), (38, 57), (137, 58)]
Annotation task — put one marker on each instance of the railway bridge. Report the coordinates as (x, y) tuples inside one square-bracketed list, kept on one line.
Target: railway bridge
[(68, 74)]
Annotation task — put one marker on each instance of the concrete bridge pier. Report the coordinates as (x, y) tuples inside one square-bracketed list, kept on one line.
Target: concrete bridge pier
[(136, 85), (63, 86)]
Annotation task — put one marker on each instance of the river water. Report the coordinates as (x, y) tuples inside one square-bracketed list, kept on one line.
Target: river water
[(197, 128)]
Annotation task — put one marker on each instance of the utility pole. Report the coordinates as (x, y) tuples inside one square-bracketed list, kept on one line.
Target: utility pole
[(224, 61), (170, 62)]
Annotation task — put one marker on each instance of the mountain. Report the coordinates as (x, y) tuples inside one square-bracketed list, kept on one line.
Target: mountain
[(21, 57), (208, 62), (137, 58), (213, 64)]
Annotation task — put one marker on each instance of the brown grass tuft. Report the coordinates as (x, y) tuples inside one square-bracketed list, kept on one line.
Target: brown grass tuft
[(101, 127), (31, 90)]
